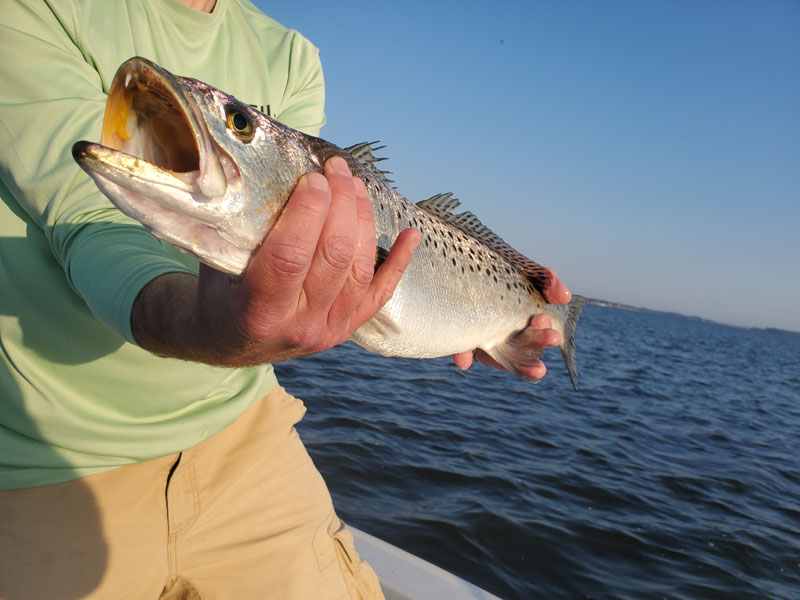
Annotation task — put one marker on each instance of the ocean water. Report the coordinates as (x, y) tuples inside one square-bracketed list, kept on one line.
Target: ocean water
[(673, 473)]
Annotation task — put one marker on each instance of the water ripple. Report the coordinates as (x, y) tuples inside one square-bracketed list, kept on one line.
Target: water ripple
[(673, 473)]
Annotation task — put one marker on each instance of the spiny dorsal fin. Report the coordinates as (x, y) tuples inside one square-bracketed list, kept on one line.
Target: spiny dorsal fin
[(444, 205), (365, 154)]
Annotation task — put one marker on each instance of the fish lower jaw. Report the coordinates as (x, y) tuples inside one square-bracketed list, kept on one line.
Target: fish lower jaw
[(201, 240)]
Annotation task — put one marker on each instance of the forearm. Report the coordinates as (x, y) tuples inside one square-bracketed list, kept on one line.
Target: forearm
[(169, 318)]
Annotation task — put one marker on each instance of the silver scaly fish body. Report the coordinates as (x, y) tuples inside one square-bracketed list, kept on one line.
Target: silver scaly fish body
[(464, 295), (211, 175)]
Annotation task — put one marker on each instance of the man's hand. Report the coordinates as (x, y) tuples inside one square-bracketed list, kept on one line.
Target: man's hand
[(541, 330), (308, 287)]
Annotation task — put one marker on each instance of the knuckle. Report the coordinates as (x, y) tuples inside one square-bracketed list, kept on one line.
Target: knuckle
[(255, 321), (290, 259), (363, 271), (384, 296), (304, 336), (338, 251)]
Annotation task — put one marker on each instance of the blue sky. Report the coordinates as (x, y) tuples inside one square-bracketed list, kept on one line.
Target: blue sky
[(649, 151)]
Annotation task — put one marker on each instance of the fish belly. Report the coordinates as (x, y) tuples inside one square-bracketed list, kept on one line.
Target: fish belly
[(439, 309)]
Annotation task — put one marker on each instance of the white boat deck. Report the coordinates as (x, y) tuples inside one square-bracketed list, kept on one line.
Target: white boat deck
[(407, 577)]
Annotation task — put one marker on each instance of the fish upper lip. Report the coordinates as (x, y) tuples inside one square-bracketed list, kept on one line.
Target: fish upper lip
[(149, 116)]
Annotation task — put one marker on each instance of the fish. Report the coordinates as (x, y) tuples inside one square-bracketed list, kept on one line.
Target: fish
[(211, 174)]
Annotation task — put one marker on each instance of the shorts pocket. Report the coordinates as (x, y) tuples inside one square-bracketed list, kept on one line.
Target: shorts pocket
[(361, 581), (324, 550)]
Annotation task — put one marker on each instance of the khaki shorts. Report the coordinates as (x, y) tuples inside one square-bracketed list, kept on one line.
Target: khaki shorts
[(244, 514)]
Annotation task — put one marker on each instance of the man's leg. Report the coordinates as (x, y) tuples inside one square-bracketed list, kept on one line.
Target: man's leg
[(100, 537), (251, 517)]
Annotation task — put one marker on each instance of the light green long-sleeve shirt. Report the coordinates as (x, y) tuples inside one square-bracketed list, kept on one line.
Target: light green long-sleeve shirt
[(77, 396)]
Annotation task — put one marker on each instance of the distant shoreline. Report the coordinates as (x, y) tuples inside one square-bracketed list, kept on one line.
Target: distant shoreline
[(609, 304)]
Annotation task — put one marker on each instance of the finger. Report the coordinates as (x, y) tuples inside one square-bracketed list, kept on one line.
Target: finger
[(364, 260), (540, 332), (363, 265), (337, 242), (557, 292), (463, 360), (387, 277), (535, 369), (278, 268)]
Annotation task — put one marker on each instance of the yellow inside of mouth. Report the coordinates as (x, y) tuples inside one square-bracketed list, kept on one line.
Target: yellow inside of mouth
[(118, 112), (115, 120)]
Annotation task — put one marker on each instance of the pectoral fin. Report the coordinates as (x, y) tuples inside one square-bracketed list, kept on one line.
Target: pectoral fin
[(381, 254), (381, 325)]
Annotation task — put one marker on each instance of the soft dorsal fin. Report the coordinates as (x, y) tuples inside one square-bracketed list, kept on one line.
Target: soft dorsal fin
[(365, 154), (444, 205)]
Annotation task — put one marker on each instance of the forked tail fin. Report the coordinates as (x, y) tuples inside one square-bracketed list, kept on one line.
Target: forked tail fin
[(571, 314)]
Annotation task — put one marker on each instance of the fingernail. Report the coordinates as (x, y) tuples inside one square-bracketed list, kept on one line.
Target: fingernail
[(338, 164), (418, 237), (314, 180), (361, 189), (540, 370)]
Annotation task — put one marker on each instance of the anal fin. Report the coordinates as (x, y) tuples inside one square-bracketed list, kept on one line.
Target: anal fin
[(518, 351)]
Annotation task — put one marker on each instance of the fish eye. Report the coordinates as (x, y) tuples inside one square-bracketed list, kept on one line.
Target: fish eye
[(241, 125)]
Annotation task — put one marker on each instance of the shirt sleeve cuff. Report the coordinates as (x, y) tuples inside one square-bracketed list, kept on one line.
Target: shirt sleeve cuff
[(109, 264)]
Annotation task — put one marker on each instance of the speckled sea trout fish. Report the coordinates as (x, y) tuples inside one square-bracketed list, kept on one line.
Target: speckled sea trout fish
[(211, 175)]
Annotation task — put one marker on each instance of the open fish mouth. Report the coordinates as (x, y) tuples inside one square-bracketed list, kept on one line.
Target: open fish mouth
[(158, 162), (148, 115)]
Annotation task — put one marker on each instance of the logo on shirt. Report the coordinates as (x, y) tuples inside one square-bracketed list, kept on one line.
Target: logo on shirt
[(262, 108)]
